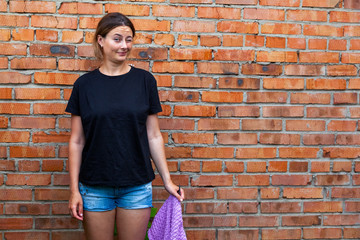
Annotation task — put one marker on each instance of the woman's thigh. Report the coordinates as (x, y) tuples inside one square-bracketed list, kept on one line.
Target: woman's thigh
[(99, 225), (132, 223)]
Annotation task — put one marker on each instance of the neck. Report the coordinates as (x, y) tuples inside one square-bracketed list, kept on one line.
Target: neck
[(112, 69)]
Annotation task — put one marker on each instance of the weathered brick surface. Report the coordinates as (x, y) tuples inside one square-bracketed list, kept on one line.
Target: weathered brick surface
[(260, 115)]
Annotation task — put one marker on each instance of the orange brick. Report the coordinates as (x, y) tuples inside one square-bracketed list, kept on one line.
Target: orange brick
[(52, 50), (88, 23), (239, 111), (281, 83), (179, 96), (275, 42), (342, 126), (354, 44), (323, 30), (314, 98), (233, 97), (46, 35), (219, 13), (276, 97), (350, 58), (173, 67), (28, 179), (317, 57), (5, 93), (21, 34), (32, 7), (37, 93), (305, 70), (239, 83), (317, 233), (193, 138), (190, 54), (234, 55), (326, 84), (15, 108), (202, 152), (5, 35), (298, 167), (320, 3), (176, 124), (279, 139), (281, 234), (281, 28), (218, 68), (80, 8), (302, 193), (264, 14), (55, 78), (255, 153), (233, 166), (283, 111), (256, 167), (187, 40), (32, 122), (210, 41), (16, 223), (29, 166), (251, 41), (279, 207), (307, 15), (49, 137), (49, 108), (33, 63), (352, 17), (341, 70), (53, 22), (238, 27), (128, 9), (235, 2), (339, 45), (218, 124), (14, 137), (211, 166), (301, 220), (164, 39), (278, 166), (319, 139), (261, 124), (193, 26), (296, 43), (12, 49), (173, 11), (78, 64), (261, 69), (194, 111), (348, 139), (14, 21), (319, 44), (32, 152), (326, 112), (298, 152), (237, 138), (194, 82), (190, 166), (290, 3), (218, 180), (72, 36)]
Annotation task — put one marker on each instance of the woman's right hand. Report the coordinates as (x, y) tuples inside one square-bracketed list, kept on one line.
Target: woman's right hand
[(76, 205)]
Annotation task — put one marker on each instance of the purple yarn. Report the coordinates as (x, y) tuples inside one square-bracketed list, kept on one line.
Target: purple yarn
[(168, 222)]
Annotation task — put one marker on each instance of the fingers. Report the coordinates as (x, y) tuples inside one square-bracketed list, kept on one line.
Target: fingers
[(76, 211)]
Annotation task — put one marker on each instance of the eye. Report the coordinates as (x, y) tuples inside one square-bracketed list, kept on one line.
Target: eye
[(129, 40)]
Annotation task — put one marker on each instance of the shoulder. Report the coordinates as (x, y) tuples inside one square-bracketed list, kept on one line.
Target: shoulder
[(146, 74), (85, 78)]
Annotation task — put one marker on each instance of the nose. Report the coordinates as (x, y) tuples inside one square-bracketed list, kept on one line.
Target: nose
[(123, 44)]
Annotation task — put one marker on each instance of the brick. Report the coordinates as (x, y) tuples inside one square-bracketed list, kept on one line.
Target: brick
[(261, 124), (319, 44), (352, 206), (164, 80), (190, 166), (253, 167), (337, 192), (72, 36), (275, 42), (326, 112), (234, 167), (27, 235), (341, 70), (32, 152), (203, 221), (315, 207), (277, 166), (240, 234), (187, 40), (238, 27), (15, 223), (317, 57), (326, 180), (339, 45), (173, 11), (326, 84), (52, 165), (31, 122), (323, 30), (280, 207), (270, 193), (194, 82), (3, 6), (353, 233), (77, 64), (5, 34), (5, 93), (210, 41), (14, 21), (250, 41), (222, 221), (128, 9), (234, 55), (301, 220), (193, 26), (46, 35), (204, 207), (274, 56), (348, 139), (218, 180), (32, 7), (37, 93), (176, 124), (12, 49), (33, 63), (266, 97), (350, 58), (352, 4), (354, 83), (342, 166), (89, 23), (173, 67), (219, 13), (258, 221), (310, 98), (298, 152), (200, 193), (190, 54), (4, 122), (56, 223), (164, 39), (14, 136), (80, 8), (235, 2), (178, 96), (23, 34), (243, 207), (194, 111), (218, 68), (27, 209), (321, 3), (202, 152), (53, 22), (253, 180), (59, 208), (4, 62), (238, 111), (341, 152), (321, 233), (237, 138), (28, 166), (255, 153), (48, 137), (55, 78), (306, 15), (14, 108), (178, 152), (6, 165), (62, 180), (281, 234), (342, 126), (291, 3), (296, 43), (15, 194), (49, 108), (319, 139), (193, 138), (259, 69), (148, 53), (239, 83), (230, 97), (237, 193), (281, 28), (341, 220), (42, 194), (350, 17), (63, 235), (279, 139), (304, 70), (283, 111), (264, 14), (291, 180), (302, 193)]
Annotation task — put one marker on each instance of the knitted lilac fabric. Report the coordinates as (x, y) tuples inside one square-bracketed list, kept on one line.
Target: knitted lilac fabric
[(168, 222)]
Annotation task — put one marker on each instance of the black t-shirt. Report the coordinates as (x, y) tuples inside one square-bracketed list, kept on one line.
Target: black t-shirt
[(113, 111)]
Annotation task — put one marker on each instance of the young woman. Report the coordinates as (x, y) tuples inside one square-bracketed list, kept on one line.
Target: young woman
[(114, 132)]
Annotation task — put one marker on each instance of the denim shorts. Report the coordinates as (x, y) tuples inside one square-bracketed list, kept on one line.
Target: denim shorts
[(99, 198)]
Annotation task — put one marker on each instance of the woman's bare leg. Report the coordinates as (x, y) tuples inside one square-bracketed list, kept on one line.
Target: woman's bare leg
[(132, 224), (99, 225)]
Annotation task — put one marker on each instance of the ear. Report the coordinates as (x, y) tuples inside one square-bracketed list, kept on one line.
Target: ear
[(100, 40)]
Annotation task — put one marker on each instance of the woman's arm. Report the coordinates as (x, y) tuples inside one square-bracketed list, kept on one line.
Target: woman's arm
[(76, 145), (157, 151)]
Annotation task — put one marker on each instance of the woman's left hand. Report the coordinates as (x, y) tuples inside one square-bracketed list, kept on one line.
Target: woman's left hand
[(173, 190)]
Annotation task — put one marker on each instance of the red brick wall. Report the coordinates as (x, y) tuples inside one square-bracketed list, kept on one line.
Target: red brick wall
[(260, 117)]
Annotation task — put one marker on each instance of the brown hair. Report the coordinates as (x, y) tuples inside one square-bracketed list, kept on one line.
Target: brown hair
[(106, 24)]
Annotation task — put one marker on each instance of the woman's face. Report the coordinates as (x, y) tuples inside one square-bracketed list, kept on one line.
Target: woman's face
[(117, 44)]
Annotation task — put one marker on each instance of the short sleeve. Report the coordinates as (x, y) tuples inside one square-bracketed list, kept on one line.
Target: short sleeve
[(73, 104), (155, 106)]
